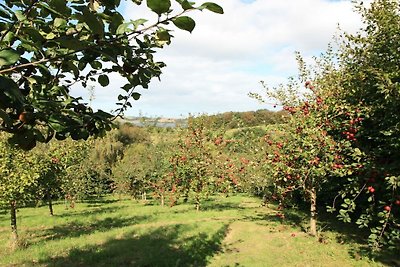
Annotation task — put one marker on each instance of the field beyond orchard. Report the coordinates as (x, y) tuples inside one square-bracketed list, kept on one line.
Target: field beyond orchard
[(233, 231)]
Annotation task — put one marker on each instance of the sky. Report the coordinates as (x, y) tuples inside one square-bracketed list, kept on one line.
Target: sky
[(212, 69)]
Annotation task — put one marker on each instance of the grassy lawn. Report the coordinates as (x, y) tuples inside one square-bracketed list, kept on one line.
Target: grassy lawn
[(233, 231)]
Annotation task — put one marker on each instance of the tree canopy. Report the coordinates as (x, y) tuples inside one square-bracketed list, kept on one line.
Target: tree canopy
[(48, 46)]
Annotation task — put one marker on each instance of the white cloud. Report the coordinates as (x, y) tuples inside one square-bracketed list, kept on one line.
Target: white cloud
[(213, 69)]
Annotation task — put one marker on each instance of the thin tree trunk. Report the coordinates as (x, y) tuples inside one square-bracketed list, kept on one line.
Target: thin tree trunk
[(162, 200), (50, 204), (197, 203), (14, 232), (313, 211)]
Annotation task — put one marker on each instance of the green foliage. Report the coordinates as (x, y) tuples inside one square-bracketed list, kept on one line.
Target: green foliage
[(342, 137), (233, 120), (199, 166), (48, 46), (19, 174), (132, 174), (370, 85)]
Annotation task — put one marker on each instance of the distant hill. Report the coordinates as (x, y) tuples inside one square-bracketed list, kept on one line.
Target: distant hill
[(228, 119), (248, 118), (157, 122)]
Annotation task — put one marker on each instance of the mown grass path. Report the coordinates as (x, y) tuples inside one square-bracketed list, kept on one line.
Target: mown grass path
[(233, 231)]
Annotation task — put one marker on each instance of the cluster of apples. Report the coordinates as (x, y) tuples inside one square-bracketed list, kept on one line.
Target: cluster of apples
[(387, 208)]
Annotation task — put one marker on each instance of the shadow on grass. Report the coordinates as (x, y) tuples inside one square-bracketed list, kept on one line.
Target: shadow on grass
[(62, 211), (345, 233), (75, 229), (163, 246), (350, 233), (100, 200), (211, 205), (89, 212)]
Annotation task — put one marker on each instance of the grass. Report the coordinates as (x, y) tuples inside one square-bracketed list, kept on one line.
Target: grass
[(233, 231)]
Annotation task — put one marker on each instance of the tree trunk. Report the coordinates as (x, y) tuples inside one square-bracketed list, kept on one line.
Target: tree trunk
[(50, 204), (162, 200), (14, 232), (197, 203), (313, 211)]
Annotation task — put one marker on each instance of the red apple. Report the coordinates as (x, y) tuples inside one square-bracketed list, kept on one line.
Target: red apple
[(371, 189)]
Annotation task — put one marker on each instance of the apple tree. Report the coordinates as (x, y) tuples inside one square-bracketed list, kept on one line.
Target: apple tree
[(343, 130), (48, 46), (370, 82), (19, 174), (307, 156), (200, 167)]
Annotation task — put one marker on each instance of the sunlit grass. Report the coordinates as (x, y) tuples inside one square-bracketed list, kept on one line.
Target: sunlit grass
[(233, 231)]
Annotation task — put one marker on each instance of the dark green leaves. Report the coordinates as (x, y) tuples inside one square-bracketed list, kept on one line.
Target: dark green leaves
[(136, 96), (184, 23), (59, 6), (10, 95), (212, 7), (159, 6), (8, 57), (57, 122), (93, 22), (185, 4), (59, 43), (103, 80), (25, 140)]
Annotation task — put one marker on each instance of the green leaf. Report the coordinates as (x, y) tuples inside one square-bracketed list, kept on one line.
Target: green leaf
[(184, 23), (123, 28), (127, 87), (159, 6), (138, 22), (103, 115), (186, 4), (94, 24), (20, 15), (60, 6), (8, 57), (103, 80), (9, 37), (10, 93), (4, 14), (34, 35), (212, 7), (163, 35), (59, 22), (71, 43), (373, 236), (49, 9), (96, 65), (50, 36), (116, 21), (57, 123), (136, 96)]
